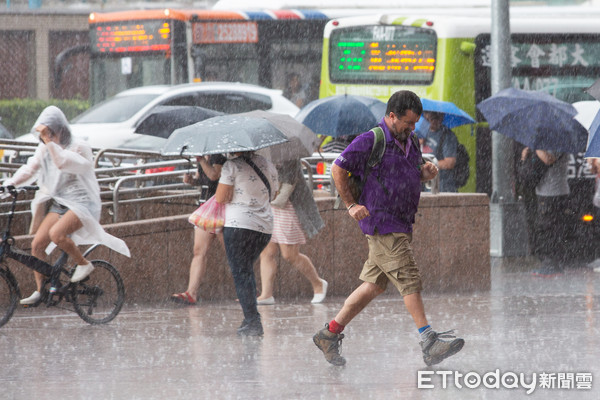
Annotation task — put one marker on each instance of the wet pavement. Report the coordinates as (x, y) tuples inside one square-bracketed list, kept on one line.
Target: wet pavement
[(547, 329)]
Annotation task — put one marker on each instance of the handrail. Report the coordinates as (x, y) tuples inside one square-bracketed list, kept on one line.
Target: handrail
[(123, 180), (118, 179)]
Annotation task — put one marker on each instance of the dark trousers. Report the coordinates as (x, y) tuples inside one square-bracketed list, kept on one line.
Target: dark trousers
[(551, 228), (243, 247)]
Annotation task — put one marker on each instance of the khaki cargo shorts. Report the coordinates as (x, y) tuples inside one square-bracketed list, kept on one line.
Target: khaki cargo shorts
[(391, 259)]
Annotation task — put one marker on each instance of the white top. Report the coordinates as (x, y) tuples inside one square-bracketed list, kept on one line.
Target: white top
[(250, 207), (66, 174)]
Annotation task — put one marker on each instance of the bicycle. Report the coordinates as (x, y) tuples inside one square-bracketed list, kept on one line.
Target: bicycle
[(97, 299)]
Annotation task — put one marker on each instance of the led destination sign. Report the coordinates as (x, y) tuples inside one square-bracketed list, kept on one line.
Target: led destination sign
[(123, 37), (382, 54), (225, 32)]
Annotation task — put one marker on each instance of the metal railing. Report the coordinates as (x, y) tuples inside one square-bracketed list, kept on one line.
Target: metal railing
[(124, 179), (121, 174)]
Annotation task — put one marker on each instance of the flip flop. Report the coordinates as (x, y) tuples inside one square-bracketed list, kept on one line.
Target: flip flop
[(183, 298)]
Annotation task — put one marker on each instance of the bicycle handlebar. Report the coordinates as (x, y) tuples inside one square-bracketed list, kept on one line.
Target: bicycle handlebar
[(13, 191)]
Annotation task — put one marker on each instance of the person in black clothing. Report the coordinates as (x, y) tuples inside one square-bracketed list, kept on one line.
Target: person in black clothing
[(208, 174)]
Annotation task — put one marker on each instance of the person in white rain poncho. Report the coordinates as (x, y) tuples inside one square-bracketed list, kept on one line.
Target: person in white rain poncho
[(66, 208)]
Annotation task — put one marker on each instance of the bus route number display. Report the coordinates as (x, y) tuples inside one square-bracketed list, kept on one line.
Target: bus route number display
[(382, 54), (127, 37)]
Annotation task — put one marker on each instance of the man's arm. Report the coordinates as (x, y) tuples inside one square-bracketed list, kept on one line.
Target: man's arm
[(546, 157), (447, 163), (340, 177)]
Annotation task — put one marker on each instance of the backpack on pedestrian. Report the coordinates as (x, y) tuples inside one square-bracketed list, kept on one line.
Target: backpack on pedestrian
[(461, 169)]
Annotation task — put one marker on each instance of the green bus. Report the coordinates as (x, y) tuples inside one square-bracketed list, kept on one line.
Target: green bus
[(447, 57)]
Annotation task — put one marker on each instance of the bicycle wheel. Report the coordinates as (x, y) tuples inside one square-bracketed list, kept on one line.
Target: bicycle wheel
[(9, 294), (98, 298)]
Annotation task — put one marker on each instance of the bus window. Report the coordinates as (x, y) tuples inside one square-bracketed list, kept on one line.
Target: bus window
[(296, 59), (231, 62), (382, 55), (113, 75)]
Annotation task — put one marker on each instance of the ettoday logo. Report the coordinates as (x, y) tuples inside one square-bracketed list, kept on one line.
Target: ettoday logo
[(507, 380)]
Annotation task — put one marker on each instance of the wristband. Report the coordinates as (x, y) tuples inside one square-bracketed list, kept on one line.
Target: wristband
[(350, 206)]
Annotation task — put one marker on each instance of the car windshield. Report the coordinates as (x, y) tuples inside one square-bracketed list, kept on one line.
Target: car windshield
[(116, 109), (5, 133)]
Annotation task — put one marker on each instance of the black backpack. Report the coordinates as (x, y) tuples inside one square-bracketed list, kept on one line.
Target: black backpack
[(461, 168)]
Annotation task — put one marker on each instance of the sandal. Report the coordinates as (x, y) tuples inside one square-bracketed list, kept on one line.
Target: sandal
[(183, 298)]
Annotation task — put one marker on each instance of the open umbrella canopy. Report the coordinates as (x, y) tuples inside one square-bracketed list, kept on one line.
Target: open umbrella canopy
[(535, 119), (453, 116), (342, 115), (163, 120), (223, 134), (301, 140), (593, 147), (594, 90)]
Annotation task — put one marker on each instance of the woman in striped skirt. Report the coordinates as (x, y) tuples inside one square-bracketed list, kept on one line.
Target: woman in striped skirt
[(296, 217)]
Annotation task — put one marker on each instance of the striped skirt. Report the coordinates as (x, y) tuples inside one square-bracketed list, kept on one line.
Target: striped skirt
[(286, 226)]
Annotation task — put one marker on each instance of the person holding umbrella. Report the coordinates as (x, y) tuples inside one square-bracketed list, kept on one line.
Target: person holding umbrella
[(385, 212), (246, 187), (443, 144), (552, 193), (295, 217)]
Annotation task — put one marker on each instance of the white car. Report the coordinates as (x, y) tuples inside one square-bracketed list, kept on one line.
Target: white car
[(111, 124)]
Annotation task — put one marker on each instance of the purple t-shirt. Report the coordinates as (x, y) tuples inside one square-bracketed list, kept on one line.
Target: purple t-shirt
[(393, 188)]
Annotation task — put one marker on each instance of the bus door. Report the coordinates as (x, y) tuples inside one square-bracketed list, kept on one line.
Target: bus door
[(261, 52), (292, 50)]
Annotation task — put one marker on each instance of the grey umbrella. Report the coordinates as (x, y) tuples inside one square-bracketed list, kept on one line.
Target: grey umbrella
[(301, 139), (223, 134), (163, 120)]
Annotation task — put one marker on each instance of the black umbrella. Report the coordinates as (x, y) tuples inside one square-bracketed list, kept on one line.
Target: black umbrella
[(163, 120)]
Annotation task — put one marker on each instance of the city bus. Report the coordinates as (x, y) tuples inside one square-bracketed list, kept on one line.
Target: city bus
[(448, 57), (148, 47)]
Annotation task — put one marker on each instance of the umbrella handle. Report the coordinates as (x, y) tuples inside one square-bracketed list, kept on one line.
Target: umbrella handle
[(189, 160)]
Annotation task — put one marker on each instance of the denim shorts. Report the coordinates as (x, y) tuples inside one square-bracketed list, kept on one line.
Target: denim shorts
[(391, 260), (57, 208)]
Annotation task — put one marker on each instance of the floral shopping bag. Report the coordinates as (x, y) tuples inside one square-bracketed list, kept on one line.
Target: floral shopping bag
[(210, 216)]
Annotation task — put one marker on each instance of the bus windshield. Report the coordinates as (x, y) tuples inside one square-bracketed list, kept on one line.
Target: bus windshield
[(382, 55), (116, 109)]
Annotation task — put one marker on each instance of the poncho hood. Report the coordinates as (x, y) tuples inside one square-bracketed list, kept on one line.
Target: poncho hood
[(53, 118)]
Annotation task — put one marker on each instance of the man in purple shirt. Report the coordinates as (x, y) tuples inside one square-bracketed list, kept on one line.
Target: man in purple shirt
[(385, 213)]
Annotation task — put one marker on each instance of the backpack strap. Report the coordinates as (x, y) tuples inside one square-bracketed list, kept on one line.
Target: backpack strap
[(378, 148), (374, 158)]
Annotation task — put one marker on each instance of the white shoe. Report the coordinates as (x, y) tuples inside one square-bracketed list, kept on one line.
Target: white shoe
[(82, 271), (319, 297), (266, 302), (34, 298)]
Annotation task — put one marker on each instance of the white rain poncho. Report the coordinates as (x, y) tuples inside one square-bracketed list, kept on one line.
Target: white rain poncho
[(65, 173)]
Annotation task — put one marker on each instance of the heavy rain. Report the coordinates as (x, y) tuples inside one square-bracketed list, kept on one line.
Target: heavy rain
[(288, 286)]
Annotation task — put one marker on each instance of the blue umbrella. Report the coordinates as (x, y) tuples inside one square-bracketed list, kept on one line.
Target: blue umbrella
[(593, 147), (535, 119), (453, 116), (342, 115)]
